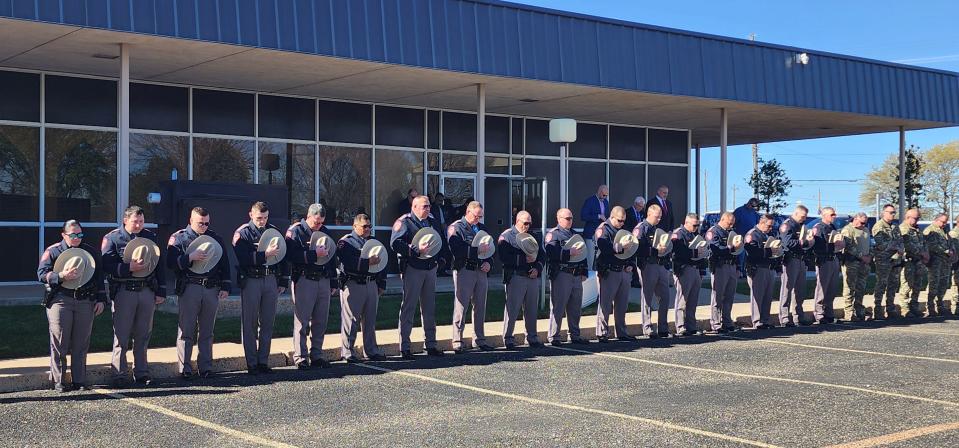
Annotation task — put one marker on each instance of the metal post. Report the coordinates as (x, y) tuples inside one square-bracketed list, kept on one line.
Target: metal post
[(902, 172), (878, 211), (542, 223), (564, 175), (724, 122), (698, 183), (480, 143), (123, 155)]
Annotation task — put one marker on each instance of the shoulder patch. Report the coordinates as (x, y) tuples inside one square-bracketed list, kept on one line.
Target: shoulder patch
[(598, 233), (815, 231), (451, 230), (398, 224), (749, 237), (236, 237), (549, 236), (172, 239), (501, 239), (289, 233), (46, 256), (709, 235), (675, 235), (104, 244), (784, 228)]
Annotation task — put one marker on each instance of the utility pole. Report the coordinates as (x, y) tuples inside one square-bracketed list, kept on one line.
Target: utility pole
[(735, 187), (819, 205), (705, 192), (755, 164)]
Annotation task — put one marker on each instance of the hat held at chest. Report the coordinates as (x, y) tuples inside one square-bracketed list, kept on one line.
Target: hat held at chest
[(479, 240), (374, 248), (80, 259), (211, 247), (272, 238), (576, 242), (319, 238), (527, 244), (142, 250), (735, 243), (628, 242), (661, 239), (433, 240)]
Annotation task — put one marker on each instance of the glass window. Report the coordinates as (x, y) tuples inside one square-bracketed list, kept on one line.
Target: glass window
[(588, 177), (19, 173), (497, 165), (668, 146), (396, 172), (537, 139), (677, 179), (399, 126), (81, 175), (81, 101), (590, 141), (549, 169), (433, 129), (21, 96), (517, 133), (346, 122), (153, 159), (459, 131), (345, 183), (223, 160), (433, 161), (220, 112), (497, 134), (459, 191), (626, 181), (159, 107), (23, 242), (460, 163), (626, 143), (432, 184), (275, 168), (517, 164), (286, 117)]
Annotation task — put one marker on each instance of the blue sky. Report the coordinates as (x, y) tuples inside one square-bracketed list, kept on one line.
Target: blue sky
[(880, 29)]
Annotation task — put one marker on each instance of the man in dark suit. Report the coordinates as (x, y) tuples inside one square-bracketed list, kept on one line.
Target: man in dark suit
[(406, 204), (635, 215), (660, 199), (595, 211)]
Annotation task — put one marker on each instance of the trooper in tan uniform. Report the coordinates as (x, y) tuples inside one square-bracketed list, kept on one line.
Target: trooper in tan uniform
[(760, 271), (887, 254), (521, 275), (856, 258), (470, 276), (360, 294), (614, 277), (688, 264), (565, 278), (651, 260)]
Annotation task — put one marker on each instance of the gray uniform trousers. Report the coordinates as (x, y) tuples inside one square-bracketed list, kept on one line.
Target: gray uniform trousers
[(655, 285), (724, 282), (613, 298), (358, 312), (311, 313), (419, 287), (197, 309), (565, 300), (792, 291), (470, 286), (132, 317), (827, 281), (590, 251), (688, 284), (71, 322), (761, 294), (257, 312), (521, 292)]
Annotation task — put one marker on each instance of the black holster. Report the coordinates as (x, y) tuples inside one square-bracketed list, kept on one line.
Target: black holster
[(50, 291), (180, 285)]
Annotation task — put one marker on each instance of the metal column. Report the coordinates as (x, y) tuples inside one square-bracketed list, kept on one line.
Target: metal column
[(698, 182), (902, 173), (480, 188), (123, 155), (724, 122)]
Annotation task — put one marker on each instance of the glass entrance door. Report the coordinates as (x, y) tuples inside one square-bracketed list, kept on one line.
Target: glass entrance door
[(459, 190)]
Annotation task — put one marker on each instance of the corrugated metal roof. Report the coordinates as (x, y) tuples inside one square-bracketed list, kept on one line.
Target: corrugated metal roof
[(504, 39)]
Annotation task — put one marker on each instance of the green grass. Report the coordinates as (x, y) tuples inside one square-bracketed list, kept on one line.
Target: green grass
[(24, 330)]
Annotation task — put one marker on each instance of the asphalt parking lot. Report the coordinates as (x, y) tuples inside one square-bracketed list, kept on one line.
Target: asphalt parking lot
[(863, 385)]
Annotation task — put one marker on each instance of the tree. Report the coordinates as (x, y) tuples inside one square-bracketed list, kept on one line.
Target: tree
[(940, 175), (771, 185), (884, 180)]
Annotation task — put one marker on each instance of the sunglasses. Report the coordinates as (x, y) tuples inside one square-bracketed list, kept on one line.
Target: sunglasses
[(526, 223), (204, 224), (695, 226), (366, 226), (74, 235), (566, 218)]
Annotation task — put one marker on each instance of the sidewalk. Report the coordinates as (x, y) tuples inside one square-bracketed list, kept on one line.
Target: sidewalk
[(32, 373)]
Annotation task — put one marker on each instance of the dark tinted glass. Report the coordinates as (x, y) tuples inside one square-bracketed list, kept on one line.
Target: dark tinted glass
[(21, 96), (219, 112), (585, 179), (19, 173), (21, 241), (537, 139), (223, 160), (285, 117), (159, 107), (497, 134), (396, 172), (497, 165), (433, 129), (82, 101), (626, 181), (152, 160), (346, 122), (517, 135), (676, 178), (461, 163), (459, 131), (550, 170), (668, 146), (627, 143), (590, 141), (345, 183), (399, 126), (293, 165), (81, 175)]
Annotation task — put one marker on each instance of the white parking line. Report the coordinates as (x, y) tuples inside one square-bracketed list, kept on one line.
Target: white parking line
[(762, 377), (536, 401), (895, 437), (196, 421), (845, 350)]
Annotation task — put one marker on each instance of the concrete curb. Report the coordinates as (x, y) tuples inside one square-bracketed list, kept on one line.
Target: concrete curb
[(33, 373)]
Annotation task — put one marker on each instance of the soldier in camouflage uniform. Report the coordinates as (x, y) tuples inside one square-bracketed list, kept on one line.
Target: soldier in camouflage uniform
[(954, 242), (855, 266), (913, 279), (940, 264), (887, 254)]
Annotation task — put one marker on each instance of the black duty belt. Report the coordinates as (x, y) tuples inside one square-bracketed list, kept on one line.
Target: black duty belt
[(616, 268), (360, 279), (206, 282), (824, 258), (315, 275), (573, 269), (721, 261), (472, 265), (81, 293), (259, 271), (656, 260)]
